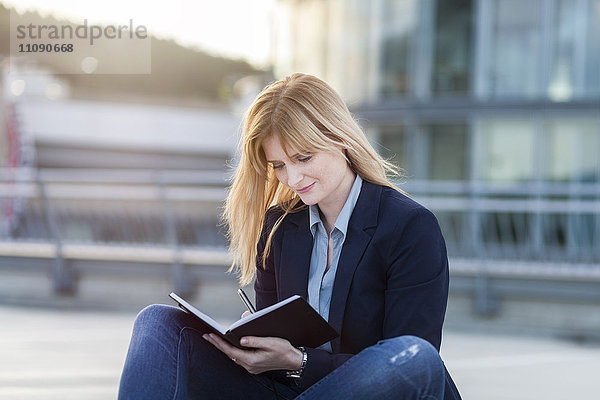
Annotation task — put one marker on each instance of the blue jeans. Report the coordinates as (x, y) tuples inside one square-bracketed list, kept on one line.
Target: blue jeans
[(169, 359)]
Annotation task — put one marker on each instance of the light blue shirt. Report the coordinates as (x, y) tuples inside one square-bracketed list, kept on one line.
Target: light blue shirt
[(320, 283)]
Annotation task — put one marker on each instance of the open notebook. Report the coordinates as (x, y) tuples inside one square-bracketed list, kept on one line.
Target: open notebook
[(292, 319)]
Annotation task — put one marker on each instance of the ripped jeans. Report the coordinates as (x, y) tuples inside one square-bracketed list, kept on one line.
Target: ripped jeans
[(169, 359), (404, 367)]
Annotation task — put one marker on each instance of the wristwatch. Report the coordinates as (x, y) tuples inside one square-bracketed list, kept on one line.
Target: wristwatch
[(297, 374)]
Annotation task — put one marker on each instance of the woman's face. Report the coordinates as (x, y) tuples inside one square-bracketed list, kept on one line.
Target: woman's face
[(323, 178)]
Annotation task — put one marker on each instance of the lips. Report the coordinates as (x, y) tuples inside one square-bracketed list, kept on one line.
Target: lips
[(305, 189)]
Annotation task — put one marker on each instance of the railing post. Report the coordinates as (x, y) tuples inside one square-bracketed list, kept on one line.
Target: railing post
[(486, 303), (182, 281), (484, 299), (63, 277)]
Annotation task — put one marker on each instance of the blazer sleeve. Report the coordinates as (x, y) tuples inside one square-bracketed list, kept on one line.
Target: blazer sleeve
[(417, 279)]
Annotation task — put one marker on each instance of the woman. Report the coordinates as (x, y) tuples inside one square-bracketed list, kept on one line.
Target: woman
[(314, 195)]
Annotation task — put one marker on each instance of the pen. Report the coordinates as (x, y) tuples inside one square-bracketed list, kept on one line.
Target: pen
[(246, 301)]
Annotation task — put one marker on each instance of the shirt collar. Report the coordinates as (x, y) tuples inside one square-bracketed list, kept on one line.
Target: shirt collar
[(341, 223)]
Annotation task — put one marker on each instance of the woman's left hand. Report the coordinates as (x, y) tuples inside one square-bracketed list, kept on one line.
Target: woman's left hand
[(264, 353)]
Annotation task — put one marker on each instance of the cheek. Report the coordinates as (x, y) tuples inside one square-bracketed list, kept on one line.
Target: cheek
[(322, 172), (281, 176)]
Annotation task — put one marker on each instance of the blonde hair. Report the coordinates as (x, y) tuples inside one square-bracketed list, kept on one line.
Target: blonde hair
[(308, 116)]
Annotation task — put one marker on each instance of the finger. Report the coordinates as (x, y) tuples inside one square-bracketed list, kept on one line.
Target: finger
[(221, 344), (242, 357), (246, 313), (263, 342)]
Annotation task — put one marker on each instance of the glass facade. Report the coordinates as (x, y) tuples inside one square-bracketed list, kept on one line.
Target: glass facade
[(492, 107)]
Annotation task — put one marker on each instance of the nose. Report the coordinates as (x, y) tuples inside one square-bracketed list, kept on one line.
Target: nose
[(294, 176)]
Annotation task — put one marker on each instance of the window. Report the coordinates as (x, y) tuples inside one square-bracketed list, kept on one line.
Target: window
[(393, 145), (562, 74), (507, 150), (451, 70), (399, 21), (575, 67), (592, 71), (573, 150), (516, 54), (447, 145)]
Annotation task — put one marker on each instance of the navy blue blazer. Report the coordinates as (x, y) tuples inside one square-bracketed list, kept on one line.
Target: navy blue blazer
[(391, 280)]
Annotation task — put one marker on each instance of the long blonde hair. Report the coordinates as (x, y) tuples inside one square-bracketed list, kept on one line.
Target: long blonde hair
[(307, 115)]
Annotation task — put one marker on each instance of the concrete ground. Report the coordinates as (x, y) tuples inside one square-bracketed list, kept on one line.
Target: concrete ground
[(74, 348), (76, 354)]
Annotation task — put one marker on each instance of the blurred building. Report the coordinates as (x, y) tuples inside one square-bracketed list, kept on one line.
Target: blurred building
[(85, 180), (492, 107), (88, 141), (55, 130)]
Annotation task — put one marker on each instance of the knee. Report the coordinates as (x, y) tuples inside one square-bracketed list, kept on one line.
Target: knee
[(156, 316), (401, 367), (415, 350)]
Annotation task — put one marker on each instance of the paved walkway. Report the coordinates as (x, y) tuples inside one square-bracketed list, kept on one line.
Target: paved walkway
[(52, 354)]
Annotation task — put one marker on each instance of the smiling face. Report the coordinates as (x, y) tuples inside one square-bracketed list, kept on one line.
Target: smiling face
[(322, 178)]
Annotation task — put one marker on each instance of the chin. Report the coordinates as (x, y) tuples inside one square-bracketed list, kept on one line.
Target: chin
[(308, 200)]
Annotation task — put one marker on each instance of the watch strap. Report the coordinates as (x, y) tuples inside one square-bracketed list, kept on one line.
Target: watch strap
[(297, 374)]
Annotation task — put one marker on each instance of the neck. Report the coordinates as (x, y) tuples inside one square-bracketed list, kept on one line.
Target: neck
[(331, 209)]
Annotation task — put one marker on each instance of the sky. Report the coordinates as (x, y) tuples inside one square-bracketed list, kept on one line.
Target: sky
[(232, 28)]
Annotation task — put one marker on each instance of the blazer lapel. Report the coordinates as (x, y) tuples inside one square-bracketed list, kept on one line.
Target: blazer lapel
[(296, 249), (364, 216)]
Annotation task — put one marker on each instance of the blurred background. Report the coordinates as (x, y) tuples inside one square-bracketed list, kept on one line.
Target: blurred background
[(111, 186)]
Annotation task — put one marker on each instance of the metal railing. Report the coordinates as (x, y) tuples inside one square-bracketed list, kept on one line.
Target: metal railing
[(542, 222), (539, 239), (119, 216), (171, 219)]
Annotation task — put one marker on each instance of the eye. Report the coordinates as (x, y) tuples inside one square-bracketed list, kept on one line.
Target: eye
[(304, 158), (277, 166)]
